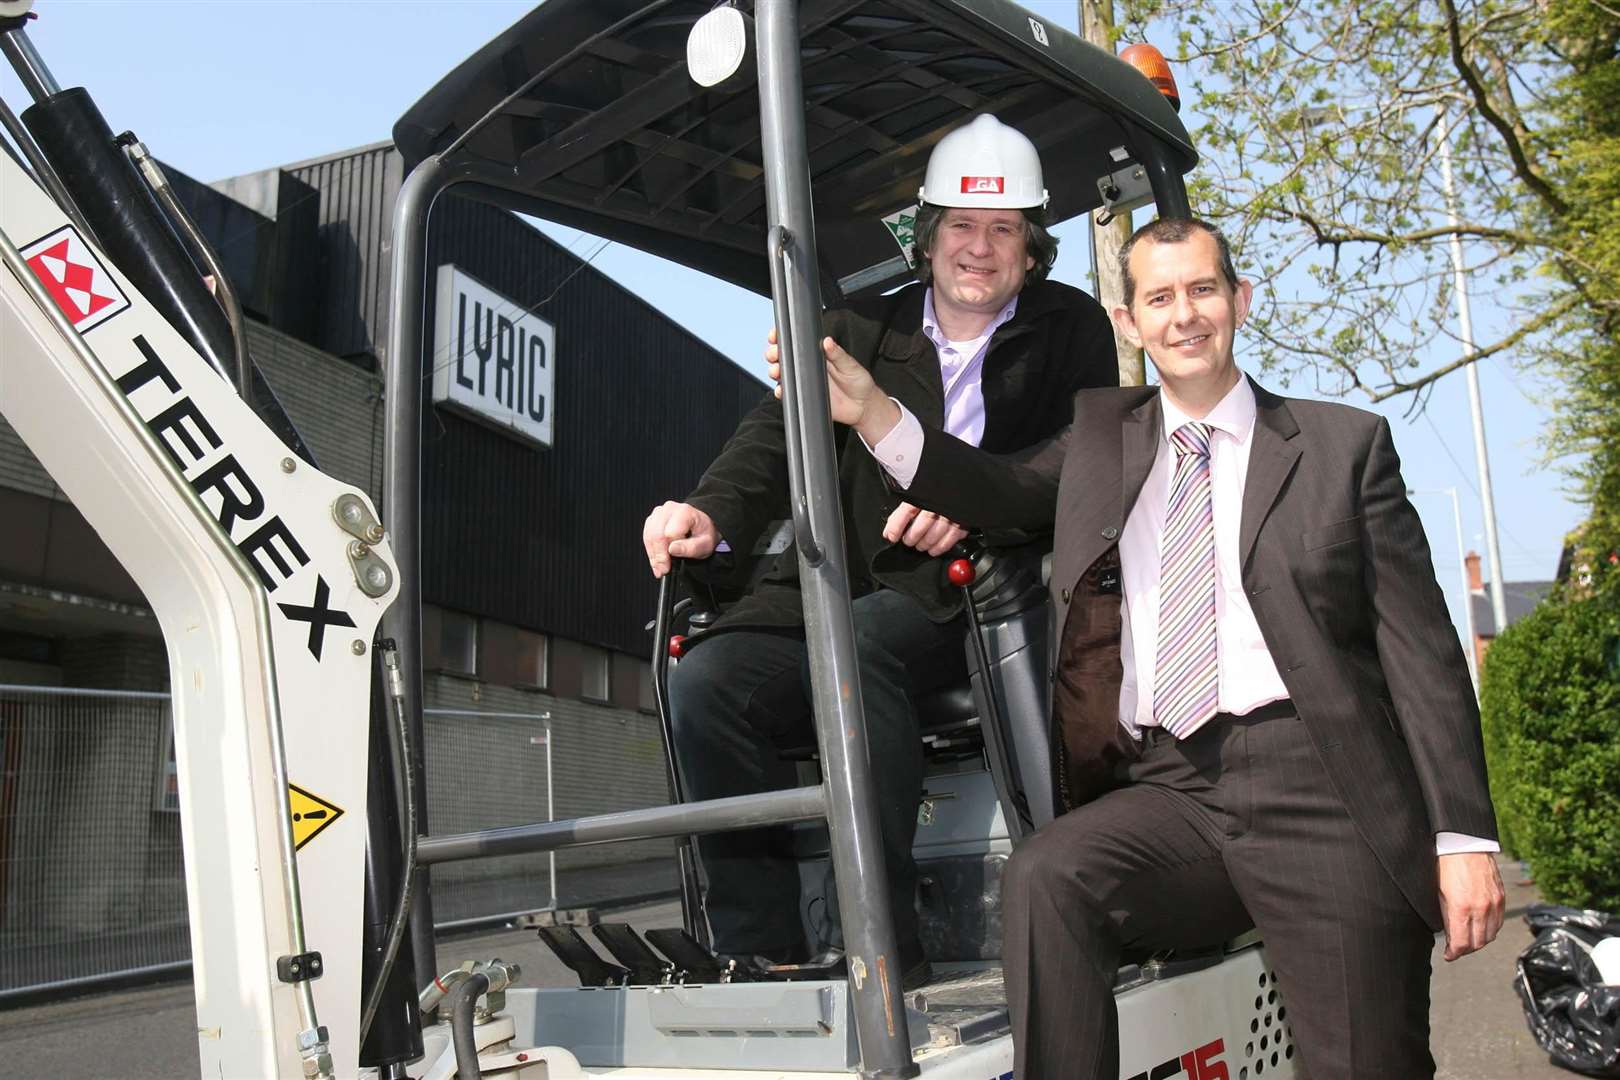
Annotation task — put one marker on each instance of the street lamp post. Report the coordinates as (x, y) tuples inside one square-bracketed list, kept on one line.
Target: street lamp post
[(1462, 573), (1466, 325)]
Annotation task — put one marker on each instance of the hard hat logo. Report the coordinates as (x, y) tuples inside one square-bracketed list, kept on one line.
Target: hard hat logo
[(987, 164)]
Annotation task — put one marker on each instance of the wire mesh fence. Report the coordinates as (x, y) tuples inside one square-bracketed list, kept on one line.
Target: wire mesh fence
[(91, 872), (486, 770)]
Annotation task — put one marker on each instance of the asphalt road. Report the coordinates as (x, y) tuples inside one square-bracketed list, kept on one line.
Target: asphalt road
[(1479, 1030)]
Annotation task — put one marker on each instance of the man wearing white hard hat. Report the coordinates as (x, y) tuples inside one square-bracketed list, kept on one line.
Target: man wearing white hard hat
[(982, 346)]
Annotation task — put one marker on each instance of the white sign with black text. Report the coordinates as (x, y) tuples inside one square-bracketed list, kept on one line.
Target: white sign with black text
[(491, 358)]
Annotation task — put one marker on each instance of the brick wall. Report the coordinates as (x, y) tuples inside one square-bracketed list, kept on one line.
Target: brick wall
[(335, 405), (115, 662), (19, 469)]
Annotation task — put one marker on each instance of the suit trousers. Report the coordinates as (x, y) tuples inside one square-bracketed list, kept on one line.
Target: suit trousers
[(738, 698), (1236, 826)]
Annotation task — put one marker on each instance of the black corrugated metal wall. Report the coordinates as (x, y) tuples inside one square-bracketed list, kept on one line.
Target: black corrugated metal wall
[(548, 539), (357, 193)]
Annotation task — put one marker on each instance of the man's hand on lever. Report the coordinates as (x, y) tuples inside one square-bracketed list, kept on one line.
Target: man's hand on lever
[(924, 530), (853, 396), (855, 399), (679, 530)]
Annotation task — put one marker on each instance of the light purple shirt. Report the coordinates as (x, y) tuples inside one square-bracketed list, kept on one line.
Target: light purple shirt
[(961, 370)]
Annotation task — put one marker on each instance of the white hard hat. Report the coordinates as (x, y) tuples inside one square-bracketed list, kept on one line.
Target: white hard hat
[(984, 163)]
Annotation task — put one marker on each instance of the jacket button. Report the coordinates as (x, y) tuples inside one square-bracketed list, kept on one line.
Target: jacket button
[(1065, 595), (1110, 532)]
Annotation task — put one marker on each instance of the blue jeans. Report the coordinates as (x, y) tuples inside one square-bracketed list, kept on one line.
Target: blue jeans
[(737, 699)]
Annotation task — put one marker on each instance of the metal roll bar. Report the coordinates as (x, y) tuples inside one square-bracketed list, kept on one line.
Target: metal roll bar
[(847, 795)]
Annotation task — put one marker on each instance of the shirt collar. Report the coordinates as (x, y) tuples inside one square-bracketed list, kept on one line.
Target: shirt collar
[(1234, 414), (930, 322)]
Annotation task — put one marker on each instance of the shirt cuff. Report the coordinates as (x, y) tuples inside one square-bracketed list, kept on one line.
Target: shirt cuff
[(1456, 843), (899, 450)]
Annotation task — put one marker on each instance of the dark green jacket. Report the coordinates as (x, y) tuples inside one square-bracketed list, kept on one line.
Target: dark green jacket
[(1059, 341)]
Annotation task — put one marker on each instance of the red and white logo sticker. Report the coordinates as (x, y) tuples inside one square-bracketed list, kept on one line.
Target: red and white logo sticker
[(75, 278), (984, 185)]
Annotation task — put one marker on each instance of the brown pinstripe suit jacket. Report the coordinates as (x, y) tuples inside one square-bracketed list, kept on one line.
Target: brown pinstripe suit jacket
[(1336, 568)]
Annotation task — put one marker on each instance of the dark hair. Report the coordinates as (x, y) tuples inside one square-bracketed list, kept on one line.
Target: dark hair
[(1173, 231), (1039, 244)]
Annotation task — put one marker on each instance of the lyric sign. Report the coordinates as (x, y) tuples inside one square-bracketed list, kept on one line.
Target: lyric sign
[(492, 359)]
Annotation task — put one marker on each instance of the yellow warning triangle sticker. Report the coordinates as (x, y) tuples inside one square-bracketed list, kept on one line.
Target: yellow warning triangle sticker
[(310, 815)]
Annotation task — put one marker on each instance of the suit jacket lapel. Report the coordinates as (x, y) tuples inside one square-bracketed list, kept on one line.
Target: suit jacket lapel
[(912, 365), (1099, 515), (1143, 429), (1271, 461), (1012, 362)]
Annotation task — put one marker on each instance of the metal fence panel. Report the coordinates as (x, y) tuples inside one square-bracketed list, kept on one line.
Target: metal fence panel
[(485, 770), (91, 872)]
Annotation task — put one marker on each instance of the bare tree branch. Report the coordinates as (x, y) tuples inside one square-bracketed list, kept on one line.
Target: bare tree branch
[(1482, 101), (1233, 46), (1552, 314)]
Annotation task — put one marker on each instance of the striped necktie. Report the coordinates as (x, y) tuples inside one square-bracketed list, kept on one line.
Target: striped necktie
[(1185, 681)]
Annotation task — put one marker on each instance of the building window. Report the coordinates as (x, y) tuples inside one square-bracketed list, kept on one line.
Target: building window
[(594, 673), (449, 641), (645, 701), (579, 670), (511, 656), (632, 683)]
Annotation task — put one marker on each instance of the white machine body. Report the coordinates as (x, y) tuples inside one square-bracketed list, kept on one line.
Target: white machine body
[(253, 575), (129, 440)]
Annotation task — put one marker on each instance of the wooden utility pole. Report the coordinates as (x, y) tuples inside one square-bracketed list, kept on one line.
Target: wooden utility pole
[(1097, 27)]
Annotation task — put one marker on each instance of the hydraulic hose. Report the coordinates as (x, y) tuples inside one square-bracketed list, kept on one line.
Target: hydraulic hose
[(224, 292), (462, 997), (402, 907)]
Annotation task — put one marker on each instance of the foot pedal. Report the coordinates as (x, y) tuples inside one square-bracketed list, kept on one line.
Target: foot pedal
[(646, 967), (577, 953), (693, 963)]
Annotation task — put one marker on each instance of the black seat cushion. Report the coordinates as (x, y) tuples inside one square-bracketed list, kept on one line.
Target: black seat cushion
[(950, 709), (941, 712)]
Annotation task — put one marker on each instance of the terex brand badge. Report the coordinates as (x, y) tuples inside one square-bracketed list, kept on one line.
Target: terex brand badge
[(984, 185), (75, 278)]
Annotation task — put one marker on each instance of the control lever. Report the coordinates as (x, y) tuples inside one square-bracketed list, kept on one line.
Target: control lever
[(962, 573)]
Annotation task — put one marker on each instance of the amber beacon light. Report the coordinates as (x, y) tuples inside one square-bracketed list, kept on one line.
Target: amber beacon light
[(1155, 68)]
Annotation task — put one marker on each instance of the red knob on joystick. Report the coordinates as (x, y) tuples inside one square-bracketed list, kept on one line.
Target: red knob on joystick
[(677, 645), (961, 572)]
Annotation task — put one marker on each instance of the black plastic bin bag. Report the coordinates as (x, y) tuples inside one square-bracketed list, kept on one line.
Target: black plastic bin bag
[(1572, 1014)]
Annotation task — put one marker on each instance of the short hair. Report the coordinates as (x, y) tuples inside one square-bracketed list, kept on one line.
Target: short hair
[(1174, 231), (1039, 243)]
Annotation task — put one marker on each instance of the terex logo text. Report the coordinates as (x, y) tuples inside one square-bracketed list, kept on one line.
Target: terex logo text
[(1202, 1063)]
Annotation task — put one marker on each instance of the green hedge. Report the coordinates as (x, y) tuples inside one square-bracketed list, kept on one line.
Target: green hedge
[(1550, 700)]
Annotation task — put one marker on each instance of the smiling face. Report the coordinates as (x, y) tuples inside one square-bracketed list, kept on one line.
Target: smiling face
[(1185, 314), (979, 261)]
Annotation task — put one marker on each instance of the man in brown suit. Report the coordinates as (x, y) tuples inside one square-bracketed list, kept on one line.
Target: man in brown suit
[(1262, 715)]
